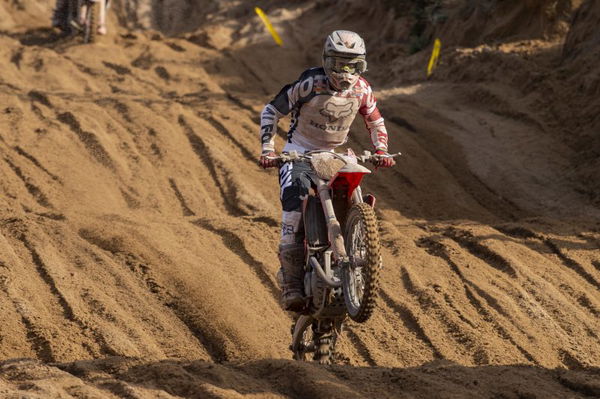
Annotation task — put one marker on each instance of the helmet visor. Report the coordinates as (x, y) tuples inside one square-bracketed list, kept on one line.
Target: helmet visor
[(346, 65)]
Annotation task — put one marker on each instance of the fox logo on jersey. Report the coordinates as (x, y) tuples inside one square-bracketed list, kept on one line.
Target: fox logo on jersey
[(336, 111)]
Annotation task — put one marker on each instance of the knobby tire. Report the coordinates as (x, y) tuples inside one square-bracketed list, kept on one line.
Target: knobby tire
[(305, 341), (362, 216), (89, 31)]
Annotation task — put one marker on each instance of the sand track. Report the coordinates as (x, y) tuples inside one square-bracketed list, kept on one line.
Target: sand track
[(138, 237)]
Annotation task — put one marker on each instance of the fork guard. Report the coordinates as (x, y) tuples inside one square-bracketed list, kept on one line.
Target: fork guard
[(315, 225)]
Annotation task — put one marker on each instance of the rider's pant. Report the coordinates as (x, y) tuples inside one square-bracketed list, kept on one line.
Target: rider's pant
[(294, 181)]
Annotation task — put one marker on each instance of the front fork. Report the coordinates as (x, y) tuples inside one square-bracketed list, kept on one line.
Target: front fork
[(334, 232), (334, 229)]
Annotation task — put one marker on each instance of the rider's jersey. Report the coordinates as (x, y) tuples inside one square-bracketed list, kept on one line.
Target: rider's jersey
[(321, 117)]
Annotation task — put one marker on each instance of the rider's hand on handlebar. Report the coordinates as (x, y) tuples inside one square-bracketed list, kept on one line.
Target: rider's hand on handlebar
[(265, 161), (385, 161)]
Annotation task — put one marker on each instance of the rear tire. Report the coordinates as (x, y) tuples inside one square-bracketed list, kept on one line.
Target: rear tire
[(306, 340), (360, 279), (89, 29), (302, 338), (324, 349)]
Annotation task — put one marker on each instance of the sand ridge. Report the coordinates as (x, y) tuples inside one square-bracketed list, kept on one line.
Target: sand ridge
[(138, 236)]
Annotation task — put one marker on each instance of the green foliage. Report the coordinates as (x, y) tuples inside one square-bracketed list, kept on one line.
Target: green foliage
[(425, 13)]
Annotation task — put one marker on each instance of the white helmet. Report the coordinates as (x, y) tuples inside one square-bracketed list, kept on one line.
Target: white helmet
[(344, 58)]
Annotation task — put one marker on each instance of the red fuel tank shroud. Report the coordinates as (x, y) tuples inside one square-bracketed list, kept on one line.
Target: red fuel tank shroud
[(347, 180)]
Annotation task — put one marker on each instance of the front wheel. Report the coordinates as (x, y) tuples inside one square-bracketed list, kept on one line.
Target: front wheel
[(360, 278)]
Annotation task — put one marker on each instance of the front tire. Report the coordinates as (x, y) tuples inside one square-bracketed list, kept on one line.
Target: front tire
[(360, 278)]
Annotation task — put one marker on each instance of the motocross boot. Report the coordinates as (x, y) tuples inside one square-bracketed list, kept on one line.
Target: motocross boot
[(60, 15), (291, 276)]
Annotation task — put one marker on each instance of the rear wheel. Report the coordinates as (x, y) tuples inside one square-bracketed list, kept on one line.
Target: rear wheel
[(307, 339), (89, 28), (360, 278), (302, 338), (324, 348)]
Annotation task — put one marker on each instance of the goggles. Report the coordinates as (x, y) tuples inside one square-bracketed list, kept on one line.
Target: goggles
[(346, 65)]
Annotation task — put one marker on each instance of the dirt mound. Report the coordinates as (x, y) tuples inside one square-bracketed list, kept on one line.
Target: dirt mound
[(137, 378), (468, 23), (18, 14), (581, 52), (583, 35), (138, 237)]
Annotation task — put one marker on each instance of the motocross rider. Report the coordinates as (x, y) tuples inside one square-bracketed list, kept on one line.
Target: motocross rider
[(60, 16), (323, 102)]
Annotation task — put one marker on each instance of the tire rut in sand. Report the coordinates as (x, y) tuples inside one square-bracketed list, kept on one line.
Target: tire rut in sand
[(223, 130), (570, 263), (37, 96), (411, 322), (582, 299), (89, 140), (39, 344), (130, 199), (430, 306), (17, 57), (436, 248), (119, 69), (361, 348), (52, 215), (142, 270), (33, 160), (206, 338), (18, 232), (578, 295), (466, 240), (524, 233), (267, 220), (119, 106), (569, 360), (34, 190), (241, 105), (184, 206), (236, 244), (201, 150)]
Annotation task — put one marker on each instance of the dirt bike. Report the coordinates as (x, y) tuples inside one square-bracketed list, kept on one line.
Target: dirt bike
[(342, 251), (82, 18)]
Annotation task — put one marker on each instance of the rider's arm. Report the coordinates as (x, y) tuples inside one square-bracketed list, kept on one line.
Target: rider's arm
[(287, 99), (373, 120), (268, 127)]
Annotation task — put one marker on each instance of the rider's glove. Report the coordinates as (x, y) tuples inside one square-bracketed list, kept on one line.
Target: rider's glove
[(265, 162), (385, 160)]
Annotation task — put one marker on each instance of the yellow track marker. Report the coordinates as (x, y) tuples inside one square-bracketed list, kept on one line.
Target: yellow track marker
[(435, 55), (267, 23)]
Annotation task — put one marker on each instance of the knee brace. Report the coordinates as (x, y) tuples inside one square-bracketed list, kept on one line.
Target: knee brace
[(291, 228)]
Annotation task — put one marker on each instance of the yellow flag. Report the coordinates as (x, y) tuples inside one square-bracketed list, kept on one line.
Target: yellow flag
[(267, 23), (435, 55)]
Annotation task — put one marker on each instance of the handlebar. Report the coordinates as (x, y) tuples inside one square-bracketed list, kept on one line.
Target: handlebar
[(294, 156)]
